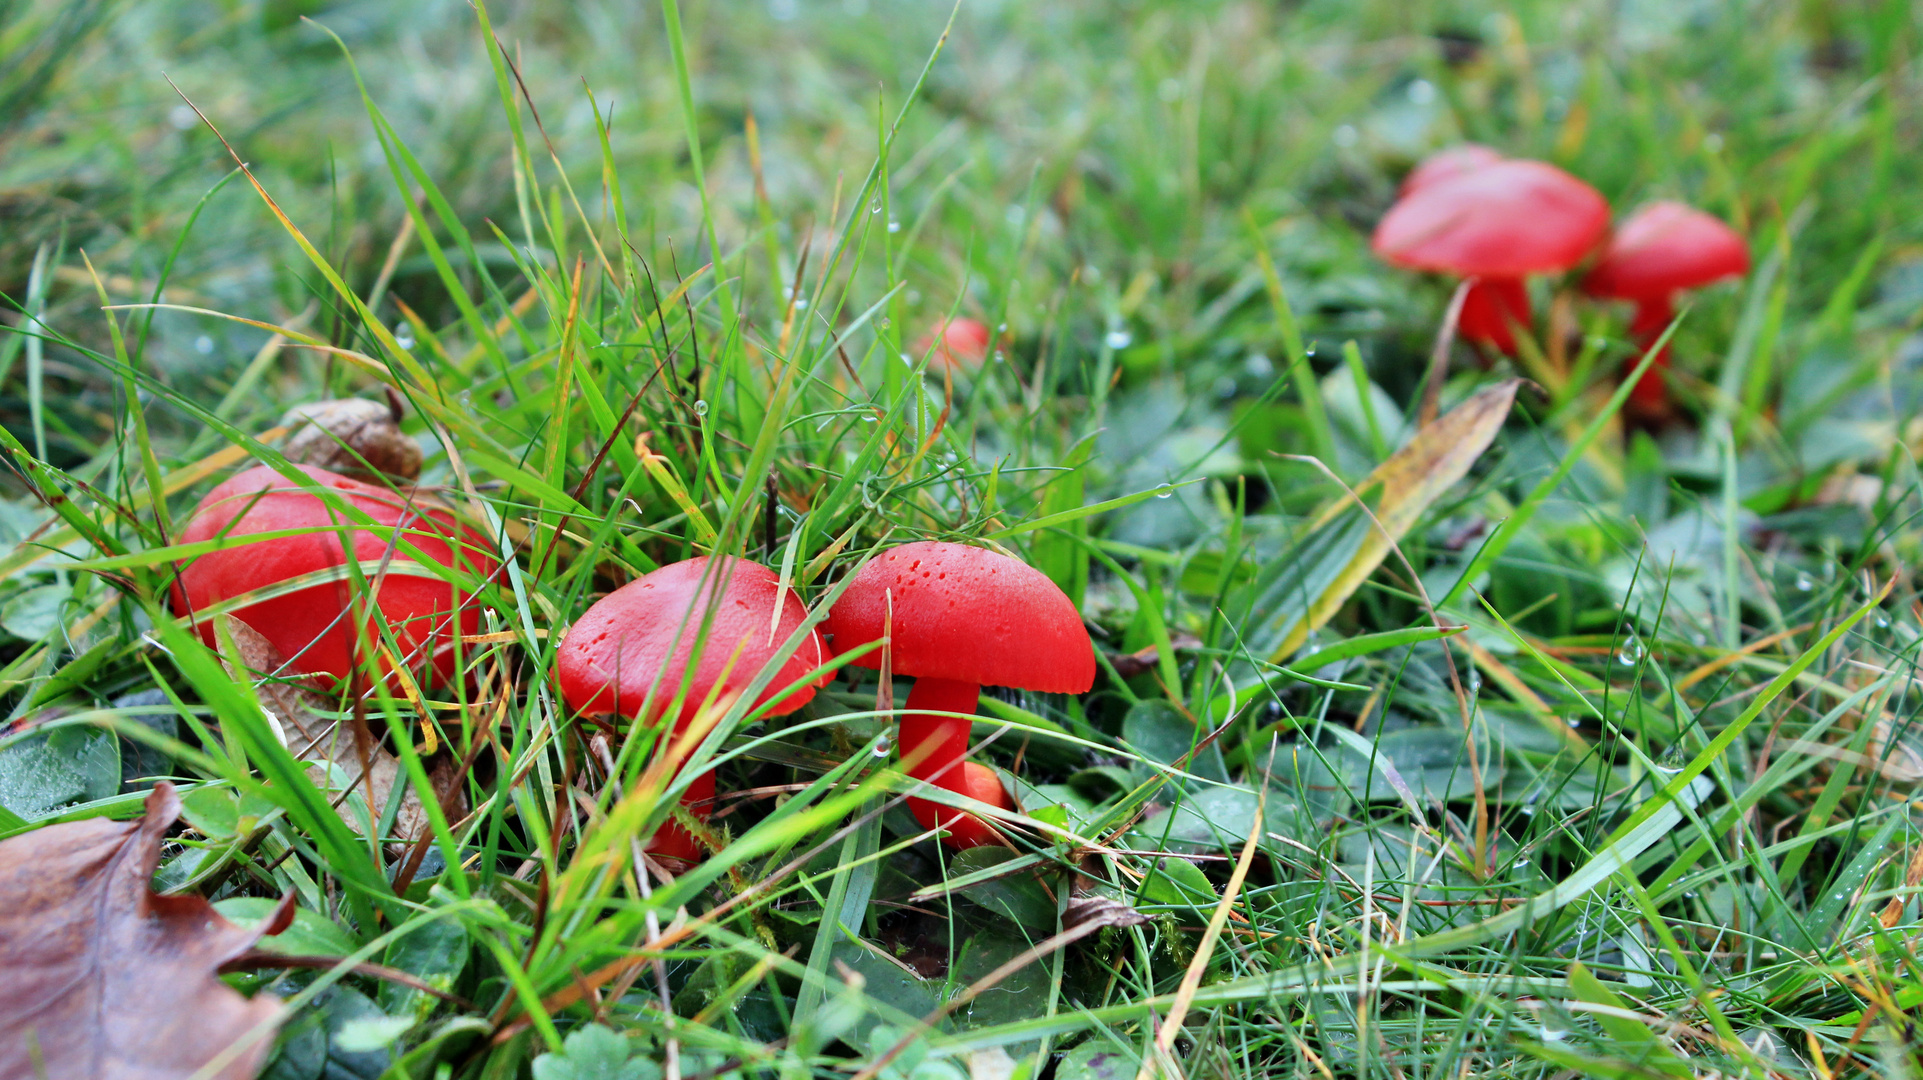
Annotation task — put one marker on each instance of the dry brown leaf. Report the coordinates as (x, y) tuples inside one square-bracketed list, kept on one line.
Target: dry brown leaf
[(1411, 480), (353, 437), (314, 738), (108, 980)]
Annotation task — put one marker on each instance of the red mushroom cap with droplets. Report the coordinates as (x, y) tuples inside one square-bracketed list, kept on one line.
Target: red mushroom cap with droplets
[(1508, 219), (645, 633), (966, 614), (1444, 164), (311, 626), (1663, 248)]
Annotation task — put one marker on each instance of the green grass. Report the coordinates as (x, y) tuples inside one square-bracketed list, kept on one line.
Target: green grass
[(1648, 815)]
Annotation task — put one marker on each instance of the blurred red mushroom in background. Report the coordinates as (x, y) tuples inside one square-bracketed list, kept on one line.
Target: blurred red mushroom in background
[(959, 342), (1660, 250), (1498, 223), (636, 645), (1444, 164), (323, 628), (960, 617)]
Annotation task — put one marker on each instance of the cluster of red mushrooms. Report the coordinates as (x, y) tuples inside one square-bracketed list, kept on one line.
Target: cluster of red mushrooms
[(1472, 213), (345, 576)]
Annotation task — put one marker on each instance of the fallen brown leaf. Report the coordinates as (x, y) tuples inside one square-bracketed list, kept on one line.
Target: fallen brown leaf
[(351, 436), (107, 979), (360, 763)]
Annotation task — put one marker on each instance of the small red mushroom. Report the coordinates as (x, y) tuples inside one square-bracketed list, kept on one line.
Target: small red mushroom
[(1444, 164), (1660, 250), (637, 644), (960, 342), (312, 626), (1498, 223), (960, 617)]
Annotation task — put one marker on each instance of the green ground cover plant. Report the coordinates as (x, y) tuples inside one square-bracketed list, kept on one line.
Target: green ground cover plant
[(1533, 739)]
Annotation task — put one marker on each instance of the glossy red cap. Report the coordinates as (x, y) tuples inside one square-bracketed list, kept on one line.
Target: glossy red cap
[(1507, 219), (647, 631), (1665, 247), (967, 614), (1444, 164), (309, 626)]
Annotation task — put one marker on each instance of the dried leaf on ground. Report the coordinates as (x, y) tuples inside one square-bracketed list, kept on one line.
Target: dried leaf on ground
[(1399, 492), (351, 436), (323, 742), (106, 978)]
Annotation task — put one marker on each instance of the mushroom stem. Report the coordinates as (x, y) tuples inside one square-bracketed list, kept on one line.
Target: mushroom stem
[(1492, 310), (671, 840), (1651, 392), (932, 748)]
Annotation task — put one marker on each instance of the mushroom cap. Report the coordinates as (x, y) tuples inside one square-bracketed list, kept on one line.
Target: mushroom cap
[(309, 626), (968, 614), (647, 630), (1444, 164), (1664, 247), (1507, 219), (958, 342)]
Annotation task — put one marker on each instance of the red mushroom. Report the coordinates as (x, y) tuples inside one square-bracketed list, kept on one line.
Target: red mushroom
[(1498, 223), (1444, 164), (636, 646), (1659, 251), (959, 342), (312, 626), (960, 617)]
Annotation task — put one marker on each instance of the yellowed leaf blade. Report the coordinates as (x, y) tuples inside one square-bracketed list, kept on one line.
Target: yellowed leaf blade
[(1411, 480)]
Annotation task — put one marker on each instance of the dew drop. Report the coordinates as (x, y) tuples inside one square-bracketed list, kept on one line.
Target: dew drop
[(404, 338), (1118, 339), (882, 746), (1422, 92), (894, 226), (1803, 583), (1001, 357), (1002, 329), (203, 345), (884, 322), (701, 408), (1164, 491), (1630, 653), (182, 117), (801, 303), (875, 207)]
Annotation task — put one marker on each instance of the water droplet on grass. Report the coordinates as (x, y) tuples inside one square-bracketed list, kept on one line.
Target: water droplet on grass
[(875, 207), (182, 117), (1164, 491), (1118, 339), (1422, 91), (404, 338), (1803, 583), (203, 345), (701, 408), (883, 747), (894, 226), (1630, 653)]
